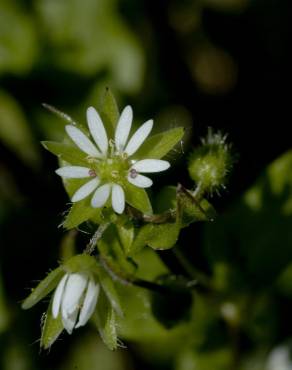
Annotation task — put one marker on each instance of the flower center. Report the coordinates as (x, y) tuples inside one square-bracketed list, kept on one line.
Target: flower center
[(113, 169)]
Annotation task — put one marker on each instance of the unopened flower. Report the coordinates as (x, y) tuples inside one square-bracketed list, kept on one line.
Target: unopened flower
[(75, 299), (111, 162)]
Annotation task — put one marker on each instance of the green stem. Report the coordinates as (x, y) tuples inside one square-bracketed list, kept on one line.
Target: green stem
[(95, 238)]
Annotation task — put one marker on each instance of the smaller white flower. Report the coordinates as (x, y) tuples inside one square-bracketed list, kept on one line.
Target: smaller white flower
[(111, 163), (75, 299)]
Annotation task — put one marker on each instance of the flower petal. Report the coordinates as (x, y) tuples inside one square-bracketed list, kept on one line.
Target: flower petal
[(139, 137), (150, 165), (123, 128), (118, 198), (101, 196), (97, 129), (82, 141), (140, 181), (73, 172), (70, 321), (89, 303), (58, 296), (85, 190), (74, 289)]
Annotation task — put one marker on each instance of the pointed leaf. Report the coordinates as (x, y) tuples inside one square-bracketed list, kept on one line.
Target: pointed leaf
[(157, 146), (126, 236), (138, 198), (105, 321), (51, 329), (160, 237), (44, 288), (67, 152)]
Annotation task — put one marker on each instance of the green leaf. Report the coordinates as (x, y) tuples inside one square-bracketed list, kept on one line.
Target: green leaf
[(15, 132), (105, 320), (109, 289), (157, 146), (67, 152), (163, 236), (138, 198), (43, 288), (110, 248), (51, 329), (109, 112)]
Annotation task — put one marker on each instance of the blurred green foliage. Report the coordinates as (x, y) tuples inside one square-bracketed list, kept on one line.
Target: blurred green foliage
[(65, 52)]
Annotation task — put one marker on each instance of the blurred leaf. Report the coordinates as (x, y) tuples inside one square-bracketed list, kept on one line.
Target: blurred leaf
[(18, 39), (173, 307), (68, 245), (51, 329), (105, 320), (137, 198), (4, 315), (15, 132), (105, 44), (258, 227), (157, 146), (43, 288), (216, 360), (89, 353)]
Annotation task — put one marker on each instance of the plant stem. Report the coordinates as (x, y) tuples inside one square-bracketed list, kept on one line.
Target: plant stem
[(95, 238)]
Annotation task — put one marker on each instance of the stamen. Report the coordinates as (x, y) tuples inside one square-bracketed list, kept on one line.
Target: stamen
[(133, 173), (92, 173)]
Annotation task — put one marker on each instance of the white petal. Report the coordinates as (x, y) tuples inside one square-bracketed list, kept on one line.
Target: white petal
[(140, 181), (85, 190), (70, 320), (82, 141), (123, 128), (89, 303), (73, 172), (74, 289), (97, 129), (139, 137), (118, 198), (151, 165), (101, 196), (58, 296)]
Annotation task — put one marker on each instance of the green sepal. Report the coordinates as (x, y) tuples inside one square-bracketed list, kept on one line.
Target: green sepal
[(126, 233), (51, 328), (157, 146), (67, 152), (80, 263), (105, 320), (109, 289), (137, 198), (44, 288), (81, 212), (162, 236), (109, 112)]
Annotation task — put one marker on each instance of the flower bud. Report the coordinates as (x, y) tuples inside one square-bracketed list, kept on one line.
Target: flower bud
[(210, 164)]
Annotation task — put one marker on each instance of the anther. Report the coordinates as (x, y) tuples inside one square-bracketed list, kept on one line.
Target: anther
[(92, 173), (133, 173)]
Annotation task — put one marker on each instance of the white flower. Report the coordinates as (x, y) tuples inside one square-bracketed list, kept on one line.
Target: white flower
[(111, 162), (75, 298)]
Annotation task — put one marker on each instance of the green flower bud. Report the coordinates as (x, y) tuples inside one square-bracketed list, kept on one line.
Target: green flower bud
[(210, 164)]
